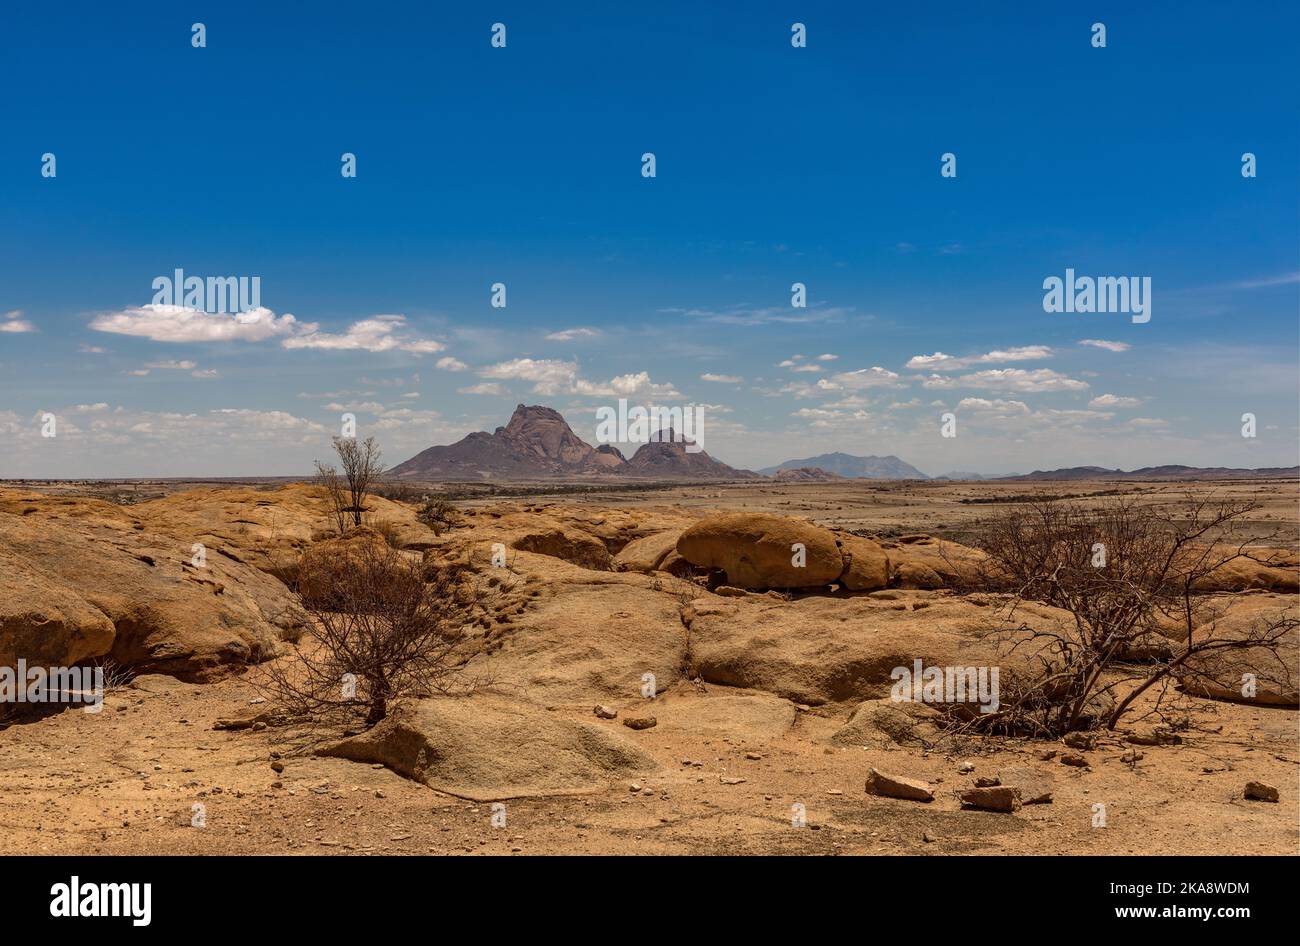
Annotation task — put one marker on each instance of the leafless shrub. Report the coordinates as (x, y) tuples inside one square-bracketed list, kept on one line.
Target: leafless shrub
[(1131, 576), (438, 514), (362, 464), (388, 629)]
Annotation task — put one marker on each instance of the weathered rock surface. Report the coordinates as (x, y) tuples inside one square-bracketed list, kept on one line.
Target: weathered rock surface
[(992, 798), (759, 550), (648, 553), (896, 786), (157, 610), (866, 564), (489, 746)]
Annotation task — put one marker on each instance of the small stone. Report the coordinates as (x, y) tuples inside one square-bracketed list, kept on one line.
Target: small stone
[(987, 781), (640, 722), (729, 780), (1258, 791), (1074, 759), (277, 766), (605, 712), (379, 794), (1080, 740), (1035, 787), (966, 768), (753, 756), (1131, 757), (1000, 798), (895, 786), (928, 838), (1047, 755)]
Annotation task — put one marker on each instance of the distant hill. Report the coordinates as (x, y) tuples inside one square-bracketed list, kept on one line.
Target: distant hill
[(846, 465), (1169, 472), (961, 475), (538, 443), (666, 457), (806, 474)]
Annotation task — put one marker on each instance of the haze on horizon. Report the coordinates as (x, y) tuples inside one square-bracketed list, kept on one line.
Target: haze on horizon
[(774, 165)]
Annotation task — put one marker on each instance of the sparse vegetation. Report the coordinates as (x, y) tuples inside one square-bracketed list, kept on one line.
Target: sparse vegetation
[(438, 514), (387, 629), (362, 464), (1132, 576)]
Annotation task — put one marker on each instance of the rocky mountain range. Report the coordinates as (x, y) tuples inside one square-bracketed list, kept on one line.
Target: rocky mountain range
[(538, 443)]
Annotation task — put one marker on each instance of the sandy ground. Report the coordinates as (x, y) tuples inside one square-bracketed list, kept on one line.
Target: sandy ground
[(126, 780)]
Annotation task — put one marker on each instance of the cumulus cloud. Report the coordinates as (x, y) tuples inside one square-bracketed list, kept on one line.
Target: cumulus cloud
[(1103, 343), (486, 387), (551, 377), (452, 364), (1113, 400), (376, 334), (1009, 379), (943, 362), (174, 323), (874, 377), (572, 334), (14, 322), (722, 378)]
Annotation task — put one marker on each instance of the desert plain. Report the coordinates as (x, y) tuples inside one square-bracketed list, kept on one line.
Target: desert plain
[(770, 708)]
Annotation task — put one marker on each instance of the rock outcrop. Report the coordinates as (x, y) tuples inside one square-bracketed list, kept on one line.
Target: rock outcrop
[(488, 746)]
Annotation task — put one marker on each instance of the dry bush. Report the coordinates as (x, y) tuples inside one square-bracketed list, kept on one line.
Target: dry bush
[(1124, 570), (438, 514), (362, 464), (389, 628)]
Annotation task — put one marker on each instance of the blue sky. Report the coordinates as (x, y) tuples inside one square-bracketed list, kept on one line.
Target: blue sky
[(775, 165)]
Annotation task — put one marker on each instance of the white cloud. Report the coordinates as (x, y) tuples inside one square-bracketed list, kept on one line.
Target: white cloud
[(174, 323), (378, 333), (722, 378), (1009, 379), (485, 387), (942, 362), (571, 334), (91, 349), (997, 406), (1113, 400), (810, 369), (362, 407), (171, 323), (828, 357), (172, 365), (1285, 279), (452, 364), (1103, 343), (874, 377), (553, 377), (205, 373), (14, 322)]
